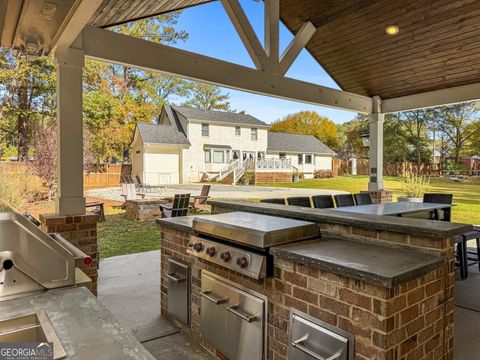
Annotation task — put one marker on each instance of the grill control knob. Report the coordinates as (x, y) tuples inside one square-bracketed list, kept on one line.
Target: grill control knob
[(190, 244), (242, 262), (210, 251), (225, 256), (198, 246)]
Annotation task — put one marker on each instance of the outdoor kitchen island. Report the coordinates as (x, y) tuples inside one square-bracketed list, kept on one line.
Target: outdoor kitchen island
[(364, 287)]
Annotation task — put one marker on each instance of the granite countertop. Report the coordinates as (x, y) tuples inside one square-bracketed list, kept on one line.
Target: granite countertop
[(86, 329), (375, 222), (373, 263)]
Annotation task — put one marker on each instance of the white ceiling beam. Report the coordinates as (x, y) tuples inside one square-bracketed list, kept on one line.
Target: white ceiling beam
[(453, 95), (77, 18), (117, 48), (246, 33), (296, 46), (272, 25)]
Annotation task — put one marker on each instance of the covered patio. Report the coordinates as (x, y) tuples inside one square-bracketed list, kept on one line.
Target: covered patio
[(385, 56)]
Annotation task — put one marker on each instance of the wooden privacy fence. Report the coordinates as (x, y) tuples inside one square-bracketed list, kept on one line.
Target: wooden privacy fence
[(101, 175), (344, 168)]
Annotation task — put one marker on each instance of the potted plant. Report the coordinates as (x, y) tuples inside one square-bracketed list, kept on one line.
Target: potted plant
[(246, 178), (413, 187)]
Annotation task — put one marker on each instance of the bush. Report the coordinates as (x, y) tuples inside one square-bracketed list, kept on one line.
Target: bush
[(323, 174), (18, 188)]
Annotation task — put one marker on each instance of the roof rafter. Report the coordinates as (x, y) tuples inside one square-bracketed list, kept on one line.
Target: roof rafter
[(296, 46)]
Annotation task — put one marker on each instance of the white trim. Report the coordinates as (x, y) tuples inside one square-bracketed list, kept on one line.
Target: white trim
[(121, 49), (296, 46), (272, 25), (246, 33), (453, 95)]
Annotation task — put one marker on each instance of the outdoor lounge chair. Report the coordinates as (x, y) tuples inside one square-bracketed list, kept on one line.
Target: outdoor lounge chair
[(280, 201), (179, 207), (299, 201), (98, 209), (323, 201), (362, 198), (440, 199), (201, 200), (130, 193), (148, 188), (344, 200)]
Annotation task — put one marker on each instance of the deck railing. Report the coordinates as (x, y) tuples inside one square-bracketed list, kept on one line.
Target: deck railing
[(274, 164), (228, 169)]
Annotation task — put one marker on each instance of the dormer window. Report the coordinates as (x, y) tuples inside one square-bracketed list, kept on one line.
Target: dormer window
[(205, 130)]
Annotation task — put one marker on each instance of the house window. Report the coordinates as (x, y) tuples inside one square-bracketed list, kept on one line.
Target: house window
[(238, 130), (282, 155), (300, 159), (205, 130), (218, 157), (208, 156), (254, 134), (308, 159), (236, 154), (261, 155)]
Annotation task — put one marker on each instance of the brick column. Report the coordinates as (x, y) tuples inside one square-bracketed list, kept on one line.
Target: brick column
[(81, 231), (381, 196)]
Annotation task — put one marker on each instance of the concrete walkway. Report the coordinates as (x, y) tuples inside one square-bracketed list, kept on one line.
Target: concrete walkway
[(129, 286), (218, 191)]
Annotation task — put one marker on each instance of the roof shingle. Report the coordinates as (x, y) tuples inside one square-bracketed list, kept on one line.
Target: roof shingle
[(219, 116), (285, 142), (161, 134)]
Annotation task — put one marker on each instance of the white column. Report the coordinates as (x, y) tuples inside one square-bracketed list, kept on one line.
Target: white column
[(376, 119), (69, 63)]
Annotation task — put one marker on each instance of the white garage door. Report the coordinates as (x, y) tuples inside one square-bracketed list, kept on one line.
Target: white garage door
[(161, 169)]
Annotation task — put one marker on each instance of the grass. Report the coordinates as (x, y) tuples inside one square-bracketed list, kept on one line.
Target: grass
[(466, 195), (119, 235)]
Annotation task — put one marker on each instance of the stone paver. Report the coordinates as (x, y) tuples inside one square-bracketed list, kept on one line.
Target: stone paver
[(218, 191)]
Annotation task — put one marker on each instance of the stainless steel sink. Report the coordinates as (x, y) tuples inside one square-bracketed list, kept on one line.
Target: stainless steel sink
[(33, 327)]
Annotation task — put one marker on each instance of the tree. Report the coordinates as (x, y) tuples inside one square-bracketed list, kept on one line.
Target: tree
[(207, 97), (459, 124), (350, 138), (45, 156), (27, 95), (309, 123)]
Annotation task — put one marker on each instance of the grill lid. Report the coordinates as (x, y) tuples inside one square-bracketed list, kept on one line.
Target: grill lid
[(256, 230)]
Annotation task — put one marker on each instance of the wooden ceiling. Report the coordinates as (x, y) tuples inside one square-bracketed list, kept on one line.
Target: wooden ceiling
[(437, 47)]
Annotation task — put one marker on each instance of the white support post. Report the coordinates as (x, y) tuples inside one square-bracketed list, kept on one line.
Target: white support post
[(246, 33), (296, 46), (376, 119), (272, 25), (69, 64)]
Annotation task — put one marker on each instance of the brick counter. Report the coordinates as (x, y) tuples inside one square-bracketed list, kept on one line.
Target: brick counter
[(412, 320)]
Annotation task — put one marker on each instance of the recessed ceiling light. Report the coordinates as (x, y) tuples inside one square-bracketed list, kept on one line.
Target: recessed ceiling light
[(392, 30)]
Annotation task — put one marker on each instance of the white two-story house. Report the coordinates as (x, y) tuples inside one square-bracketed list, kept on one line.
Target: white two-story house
[(189, 145)]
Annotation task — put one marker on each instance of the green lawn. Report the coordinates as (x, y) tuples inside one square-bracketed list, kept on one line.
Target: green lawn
[(119, 235), (466, 195)]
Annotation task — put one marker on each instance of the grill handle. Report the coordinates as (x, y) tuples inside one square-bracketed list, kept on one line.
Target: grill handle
[(215, 300), (78, 254), (246, 317), (176, 278), (298, 344)]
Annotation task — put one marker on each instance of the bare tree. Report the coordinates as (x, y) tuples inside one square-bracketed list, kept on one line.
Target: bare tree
[(45, 156)]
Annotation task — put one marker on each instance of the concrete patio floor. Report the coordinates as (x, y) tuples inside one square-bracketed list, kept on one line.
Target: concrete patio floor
[(129, 286), (218, 191)]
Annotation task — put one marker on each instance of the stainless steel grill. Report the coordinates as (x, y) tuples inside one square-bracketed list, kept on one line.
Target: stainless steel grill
[(240, 240), (31, 260)]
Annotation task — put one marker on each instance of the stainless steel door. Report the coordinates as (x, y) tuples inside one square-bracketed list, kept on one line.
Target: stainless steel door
[(179, 290), (313, 339), (245, 326), (214, 312)]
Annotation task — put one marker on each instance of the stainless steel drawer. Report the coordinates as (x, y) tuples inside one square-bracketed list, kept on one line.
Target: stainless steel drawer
[(310, 338), (179, 290), (214, 312), (245, 325)]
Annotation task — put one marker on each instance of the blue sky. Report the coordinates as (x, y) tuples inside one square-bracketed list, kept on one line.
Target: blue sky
[(211, 33)]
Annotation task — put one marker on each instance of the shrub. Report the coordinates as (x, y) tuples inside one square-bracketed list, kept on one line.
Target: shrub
[(18, 188), (323, 174), (414, 185)]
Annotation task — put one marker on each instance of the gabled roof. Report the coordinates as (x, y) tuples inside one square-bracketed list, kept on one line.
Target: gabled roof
[(285, 142), (161, 134), (219, 116)]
